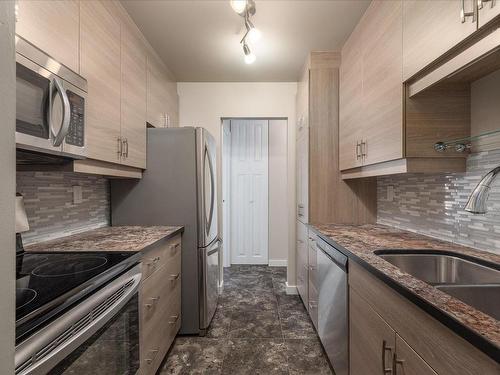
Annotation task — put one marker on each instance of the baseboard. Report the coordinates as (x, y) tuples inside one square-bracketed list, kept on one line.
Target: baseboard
[(291, 289), (278, 262)]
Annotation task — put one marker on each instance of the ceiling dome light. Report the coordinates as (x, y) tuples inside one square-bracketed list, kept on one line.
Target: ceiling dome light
[(249, 56), (254, 35), (239, 6)]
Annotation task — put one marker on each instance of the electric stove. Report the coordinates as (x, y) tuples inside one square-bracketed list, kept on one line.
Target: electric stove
[(47, 284)]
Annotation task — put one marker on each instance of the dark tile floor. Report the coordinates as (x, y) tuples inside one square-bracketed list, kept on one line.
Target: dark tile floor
[(258, 329)]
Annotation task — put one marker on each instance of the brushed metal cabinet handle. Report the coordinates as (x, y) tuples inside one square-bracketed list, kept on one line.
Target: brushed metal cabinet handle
[(155, 353), (395, 363), (386, 348), (175, 317), (120, 147), (464, 14)]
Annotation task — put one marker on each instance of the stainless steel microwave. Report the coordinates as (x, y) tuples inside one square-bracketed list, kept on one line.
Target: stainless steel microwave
[(50, 104)]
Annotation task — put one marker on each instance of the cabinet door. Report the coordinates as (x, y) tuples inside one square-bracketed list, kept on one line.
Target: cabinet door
[(171, 100), (302, 177), (372, 341), (302, 262), (156, 93), (52, 26), (100, 65), (133, 98), (431, 28), (382, 128), (408, 362), (350, 102), (488, 9)]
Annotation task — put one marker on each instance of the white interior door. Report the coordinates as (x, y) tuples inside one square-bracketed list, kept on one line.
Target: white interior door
[(249, 191)]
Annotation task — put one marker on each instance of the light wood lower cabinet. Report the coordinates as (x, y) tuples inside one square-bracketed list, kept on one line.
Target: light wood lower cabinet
[(388, 332), (160, 303), (371, 339), (312, 306), (302, 262)]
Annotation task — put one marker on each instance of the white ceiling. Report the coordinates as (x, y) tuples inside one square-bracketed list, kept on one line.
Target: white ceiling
[(199, 39)]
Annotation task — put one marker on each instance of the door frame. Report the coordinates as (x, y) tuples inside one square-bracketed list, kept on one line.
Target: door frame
[(225, 176)]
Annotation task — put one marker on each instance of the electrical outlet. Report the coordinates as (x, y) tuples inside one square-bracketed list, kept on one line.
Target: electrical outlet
[(390, 193), (77, 194)]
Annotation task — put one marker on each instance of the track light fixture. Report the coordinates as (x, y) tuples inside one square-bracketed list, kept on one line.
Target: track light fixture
[(246, 8)]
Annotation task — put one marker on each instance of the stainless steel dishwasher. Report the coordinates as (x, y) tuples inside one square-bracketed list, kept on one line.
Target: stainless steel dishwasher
[(333, 321)]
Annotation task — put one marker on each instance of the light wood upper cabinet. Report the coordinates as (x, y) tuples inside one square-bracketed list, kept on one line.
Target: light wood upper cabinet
[(380, 125), (100, 65), (133, 98), (488, 10), (350, 100), (382, 99), (52, 26), (371, 89), (162, 98), (431, 28)]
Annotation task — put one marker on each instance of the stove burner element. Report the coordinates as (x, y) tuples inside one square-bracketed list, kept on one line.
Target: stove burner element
[(24, 296), (69, 267)]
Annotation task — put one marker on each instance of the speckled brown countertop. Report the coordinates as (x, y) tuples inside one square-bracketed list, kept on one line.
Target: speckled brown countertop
[(362, 241), (119, 238)]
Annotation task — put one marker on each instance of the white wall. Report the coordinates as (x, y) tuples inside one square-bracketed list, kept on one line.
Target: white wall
[(7, 187), (204, 104)]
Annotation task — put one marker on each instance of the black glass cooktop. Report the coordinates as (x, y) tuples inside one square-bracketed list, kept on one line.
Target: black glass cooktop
[(48, 283)]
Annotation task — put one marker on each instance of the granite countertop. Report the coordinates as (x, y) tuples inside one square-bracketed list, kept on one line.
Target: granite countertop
[(361, 241), (119, 238)]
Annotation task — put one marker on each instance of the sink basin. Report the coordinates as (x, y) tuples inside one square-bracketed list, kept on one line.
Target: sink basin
[(485, 298), (438, 269)]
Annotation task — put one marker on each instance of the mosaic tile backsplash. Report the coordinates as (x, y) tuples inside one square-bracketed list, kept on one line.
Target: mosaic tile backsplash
[(433, 204), (48, 198)]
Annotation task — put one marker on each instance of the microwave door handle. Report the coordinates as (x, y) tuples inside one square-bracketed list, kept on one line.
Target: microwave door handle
[(63, 131)]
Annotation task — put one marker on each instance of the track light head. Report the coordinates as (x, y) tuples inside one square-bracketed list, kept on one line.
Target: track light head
[(249, 56)]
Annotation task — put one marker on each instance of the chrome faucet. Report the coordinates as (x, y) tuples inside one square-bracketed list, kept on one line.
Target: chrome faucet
[(478, 198)]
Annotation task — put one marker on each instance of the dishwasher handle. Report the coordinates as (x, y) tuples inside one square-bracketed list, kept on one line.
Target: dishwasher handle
[(336, 256)]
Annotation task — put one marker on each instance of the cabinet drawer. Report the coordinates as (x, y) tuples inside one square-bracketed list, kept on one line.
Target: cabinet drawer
[(312, 306), (156, 341), (157, 290), (160, 317), (156, 258), (313, 268)]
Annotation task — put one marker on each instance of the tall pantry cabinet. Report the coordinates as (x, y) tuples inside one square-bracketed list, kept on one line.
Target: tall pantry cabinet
[(322, 195)]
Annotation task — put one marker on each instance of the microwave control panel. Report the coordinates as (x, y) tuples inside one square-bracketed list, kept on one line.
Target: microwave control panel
[(76, 133)]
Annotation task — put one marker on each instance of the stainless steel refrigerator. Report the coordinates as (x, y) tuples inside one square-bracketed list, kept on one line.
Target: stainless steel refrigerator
[(179, 187)]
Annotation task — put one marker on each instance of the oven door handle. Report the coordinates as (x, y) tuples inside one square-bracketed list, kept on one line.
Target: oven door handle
[(42, 351), (63, 131)]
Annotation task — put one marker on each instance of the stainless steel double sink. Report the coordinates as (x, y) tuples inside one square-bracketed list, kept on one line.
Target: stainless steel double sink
[(476, 284)]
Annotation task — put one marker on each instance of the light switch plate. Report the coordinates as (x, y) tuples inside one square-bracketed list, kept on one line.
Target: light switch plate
[(77, 194)]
